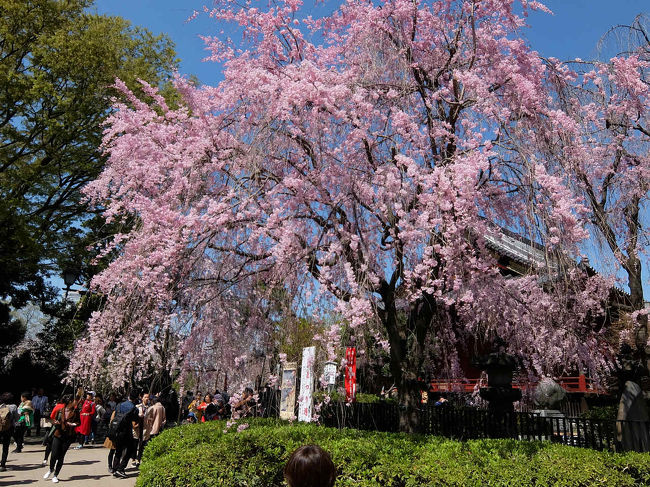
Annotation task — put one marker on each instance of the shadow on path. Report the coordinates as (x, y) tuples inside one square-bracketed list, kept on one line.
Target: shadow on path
[(82, 462), (20, 468), (87, 477)]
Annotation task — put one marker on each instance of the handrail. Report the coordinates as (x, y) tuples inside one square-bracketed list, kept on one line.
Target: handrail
[(579, 383)]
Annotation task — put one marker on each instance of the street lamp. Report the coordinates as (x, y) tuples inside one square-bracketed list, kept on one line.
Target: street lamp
[(69, 278)]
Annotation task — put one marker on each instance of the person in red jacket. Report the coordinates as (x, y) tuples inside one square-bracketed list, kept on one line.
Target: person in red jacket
[(207, 400), (47, 441), (87, 413)]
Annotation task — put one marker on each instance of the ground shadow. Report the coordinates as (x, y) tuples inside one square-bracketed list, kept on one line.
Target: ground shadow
[(81, 462), (29, 466), (86, 477), (13, 482)]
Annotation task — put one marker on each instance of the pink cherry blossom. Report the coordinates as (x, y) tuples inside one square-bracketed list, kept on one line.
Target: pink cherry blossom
[(365, 162)]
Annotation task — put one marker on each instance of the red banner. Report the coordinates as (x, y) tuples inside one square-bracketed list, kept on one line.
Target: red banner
[(350, 373)]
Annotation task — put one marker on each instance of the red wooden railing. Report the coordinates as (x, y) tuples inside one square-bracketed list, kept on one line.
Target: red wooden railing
[(570, 384)]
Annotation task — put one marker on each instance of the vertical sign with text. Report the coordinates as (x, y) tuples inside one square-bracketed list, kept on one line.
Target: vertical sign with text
[(350, 373), (306, 384), (288, 391)]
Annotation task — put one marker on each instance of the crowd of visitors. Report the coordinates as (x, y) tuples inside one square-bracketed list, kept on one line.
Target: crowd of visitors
[(125, 425), (201, 408), (128, 426)]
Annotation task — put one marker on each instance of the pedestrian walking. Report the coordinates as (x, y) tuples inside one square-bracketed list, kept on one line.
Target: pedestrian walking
[(120, 431), (40, 402), (25, 420), (154, 422), (66, 422), (47, 441), (88, 411), (8, 420), (138, 432)]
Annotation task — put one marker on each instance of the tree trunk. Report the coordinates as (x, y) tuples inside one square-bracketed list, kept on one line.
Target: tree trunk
[(638, 303), (407, 338), (633, 268), (409, 405)]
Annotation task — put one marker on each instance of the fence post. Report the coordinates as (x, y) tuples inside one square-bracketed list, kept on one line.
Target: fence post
[(582, 383)]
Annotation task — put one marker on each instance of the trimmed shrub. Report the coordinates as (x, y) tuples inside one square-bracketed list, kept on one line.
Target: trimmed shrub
[(203, 455)]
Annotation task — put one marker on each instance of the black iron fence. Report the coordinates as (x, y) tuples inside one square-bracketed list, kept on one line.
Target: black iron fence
[(469, 423)]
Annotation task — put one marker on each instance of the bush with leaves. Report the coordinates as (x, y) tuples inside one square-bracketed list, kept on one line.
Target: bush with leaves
[(208, 454)]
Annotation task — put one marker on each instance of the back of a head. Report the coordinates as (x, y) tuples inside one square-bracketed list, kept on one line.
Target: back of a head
[(133, 396), (310, 466)]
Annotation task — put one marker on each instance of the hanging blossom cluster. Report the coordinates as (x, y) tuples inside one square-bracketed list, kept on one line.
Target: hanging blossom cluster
[(604, 150), (363, 159)]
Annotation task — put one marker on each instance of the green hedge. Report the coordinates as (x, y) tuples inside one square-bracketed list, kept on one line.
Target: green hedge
[(203, 455)]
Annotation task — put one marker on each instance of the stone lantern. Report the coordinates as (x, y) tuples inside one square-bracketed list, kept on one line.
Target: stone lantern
[(499, 366)]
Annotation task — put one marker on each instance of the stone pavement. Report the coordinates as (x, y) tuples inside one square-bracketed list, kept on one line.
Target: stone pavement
[(85, 467)]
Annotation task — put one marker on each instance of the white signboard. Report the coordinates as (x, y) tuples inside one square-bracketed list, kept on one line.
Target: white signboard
[(330, 373), (306, 384)]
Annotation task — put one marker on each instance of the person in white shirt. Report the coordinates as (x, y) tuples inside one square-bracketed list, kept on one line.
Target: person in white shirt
[(138, 434)]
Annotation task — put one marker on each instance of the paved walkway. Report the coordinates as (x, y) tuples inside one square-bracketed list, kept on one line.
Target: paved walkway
[(85, 467)]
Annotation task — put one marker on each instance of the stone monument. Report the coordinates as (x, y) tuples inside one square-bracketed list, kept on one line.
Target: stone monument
[(633, 421), (548, 397)]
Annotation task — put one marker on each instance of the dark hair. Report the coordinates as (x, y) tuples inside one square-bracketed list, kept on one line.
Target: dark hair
[(6, 398), (133, 395), (65, 399), (310, 466), (248, 390), (26, 395)]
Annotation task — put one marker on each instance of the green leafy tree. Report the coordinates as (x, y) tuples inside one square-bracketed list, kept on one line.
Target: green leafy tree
[(58, 64), (57, 67)]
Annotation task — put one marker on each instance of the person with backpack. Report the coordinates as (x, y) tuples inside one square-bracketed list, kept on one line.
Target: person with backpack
[(8, 418), (120, 432), (66, 421)]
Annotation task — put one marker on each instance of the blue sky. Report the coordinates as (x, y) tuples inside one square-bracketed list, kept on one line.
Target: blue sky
[(573, 30)]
